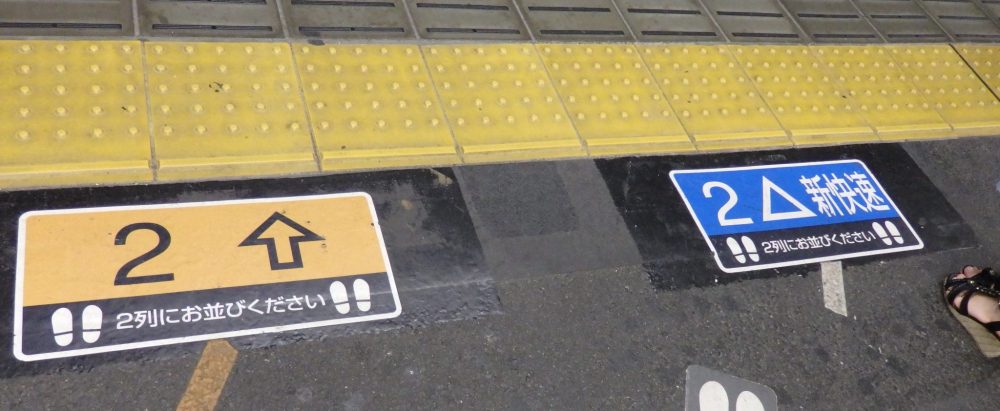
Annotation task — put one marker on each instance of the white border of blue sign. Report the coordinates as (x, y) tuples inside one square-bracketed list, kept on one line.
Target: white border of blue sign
[(715, 253)]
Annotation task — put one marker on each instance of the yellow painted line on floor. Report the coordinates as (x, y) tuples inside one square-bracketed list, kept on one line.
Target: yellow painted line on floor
[(613, 100), (951, 86), (83, 112), (882, 93), (373, 106), (209, 377), (714, 99), (500, 102), (805, 99), (72, 113), (226, 110)]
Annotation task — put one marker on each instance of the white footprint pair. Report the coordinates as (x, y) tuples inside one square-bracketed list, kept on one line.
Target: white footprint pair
[(90, 321), (712, 397), (362, 296), (749, 249), (888, 233)]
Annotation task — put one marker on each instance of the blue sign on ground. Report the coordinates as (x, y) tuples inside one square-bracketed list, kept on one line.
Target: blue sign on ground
[(779, 215)]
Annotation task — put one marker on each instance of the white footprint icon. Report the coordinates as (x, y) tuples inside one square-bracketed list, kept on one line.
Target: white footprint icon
[(734, 247), (751, 248), (888, 236), (738, 253), (338, 292), (92, 318), (748, 401), (62, 326), (894, 232), (362, 295), (880, 231), (713, 397)]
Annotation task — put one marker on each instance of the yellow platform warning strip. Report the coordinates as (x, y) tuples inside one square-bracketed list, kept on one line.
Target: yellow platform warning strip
[(881, 92), (952, 87), (80, 112), (611, 97), (72, 112), (713, 97), (226, 110), (807, 101), (500, 102)]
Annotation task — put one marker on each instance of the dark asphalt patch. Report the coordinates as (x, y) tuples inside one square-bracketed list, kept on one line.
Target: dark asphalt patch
[(548, 217), (433, 248), (674, 251)]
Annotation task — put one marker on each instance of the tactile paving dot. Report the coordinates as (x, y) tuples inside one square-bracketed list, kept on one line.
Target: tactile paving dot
[(957, 93), (223, 109), (985, 60), (802, 95), (373, 106), (892, 104), (612, 99), (500, 103), (712, 97), (72, 111)]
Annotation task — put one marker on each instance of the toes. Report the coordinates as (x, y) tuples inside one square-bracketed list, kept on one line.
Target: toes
[(971, 270)]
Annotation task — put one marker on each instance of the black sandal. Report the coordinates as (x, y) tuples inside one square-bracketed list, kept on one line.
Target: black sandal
[(985, 282)]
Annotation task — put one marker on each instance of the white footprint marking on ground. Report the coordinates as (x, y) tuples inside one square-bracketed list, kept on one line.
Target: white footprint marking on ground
[(338, 292), (93, 319), (880, 231), (888, 233), (62, 326), (362, 295), (734, 247), (894, 232), (748, 401), (713, 397), (751, 249), (738, 252)]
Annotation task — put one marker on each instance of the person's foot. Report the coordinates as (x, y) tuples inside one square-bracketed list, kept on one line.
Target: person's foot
[(981, 307)]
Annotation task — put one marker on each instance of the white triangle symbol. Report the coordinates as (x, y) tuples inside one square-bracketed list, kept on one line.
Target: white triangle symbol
[(768, 188)]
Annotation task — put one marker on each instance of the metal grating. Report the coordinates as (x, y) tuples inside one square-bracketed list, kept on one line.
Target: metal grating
[(832, 21), (753, 21), (66, 18), (209, 18), (347, 18), (963, 19), (467, 19), (588, 20), (901, 21), (668, 20)]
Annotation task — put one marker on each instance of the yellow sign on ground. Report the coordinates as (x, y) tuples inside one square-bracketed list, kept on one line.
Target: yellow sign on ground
[(141, 276)]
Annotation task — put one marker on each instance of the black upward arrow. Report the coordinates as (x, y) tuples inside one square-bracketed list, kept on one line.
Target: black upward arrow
[(272, 248)]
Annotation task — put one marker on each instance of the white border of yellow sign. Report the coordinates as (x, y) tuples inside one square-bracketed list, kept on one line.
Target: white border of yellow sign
[(19, 286)]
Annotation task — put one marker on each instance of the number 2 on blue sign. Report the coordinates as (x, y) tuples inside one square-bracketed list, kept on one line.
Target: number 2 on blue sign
[(767, 189)]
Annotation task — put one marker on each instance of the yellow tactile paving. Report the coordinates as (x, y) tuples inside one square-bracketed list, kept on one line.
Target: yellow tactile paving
[(373, 106), (802, 95), (881, 92), (84, 111), (951, 86), (713, 98), (612, 99), (72, 112), (985, 60), (500, 103), (226, 109)]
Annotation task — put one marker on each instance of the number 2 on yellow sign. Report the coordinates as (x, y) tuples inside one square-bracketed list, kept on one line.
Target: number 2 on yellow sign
[(122, 277)]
